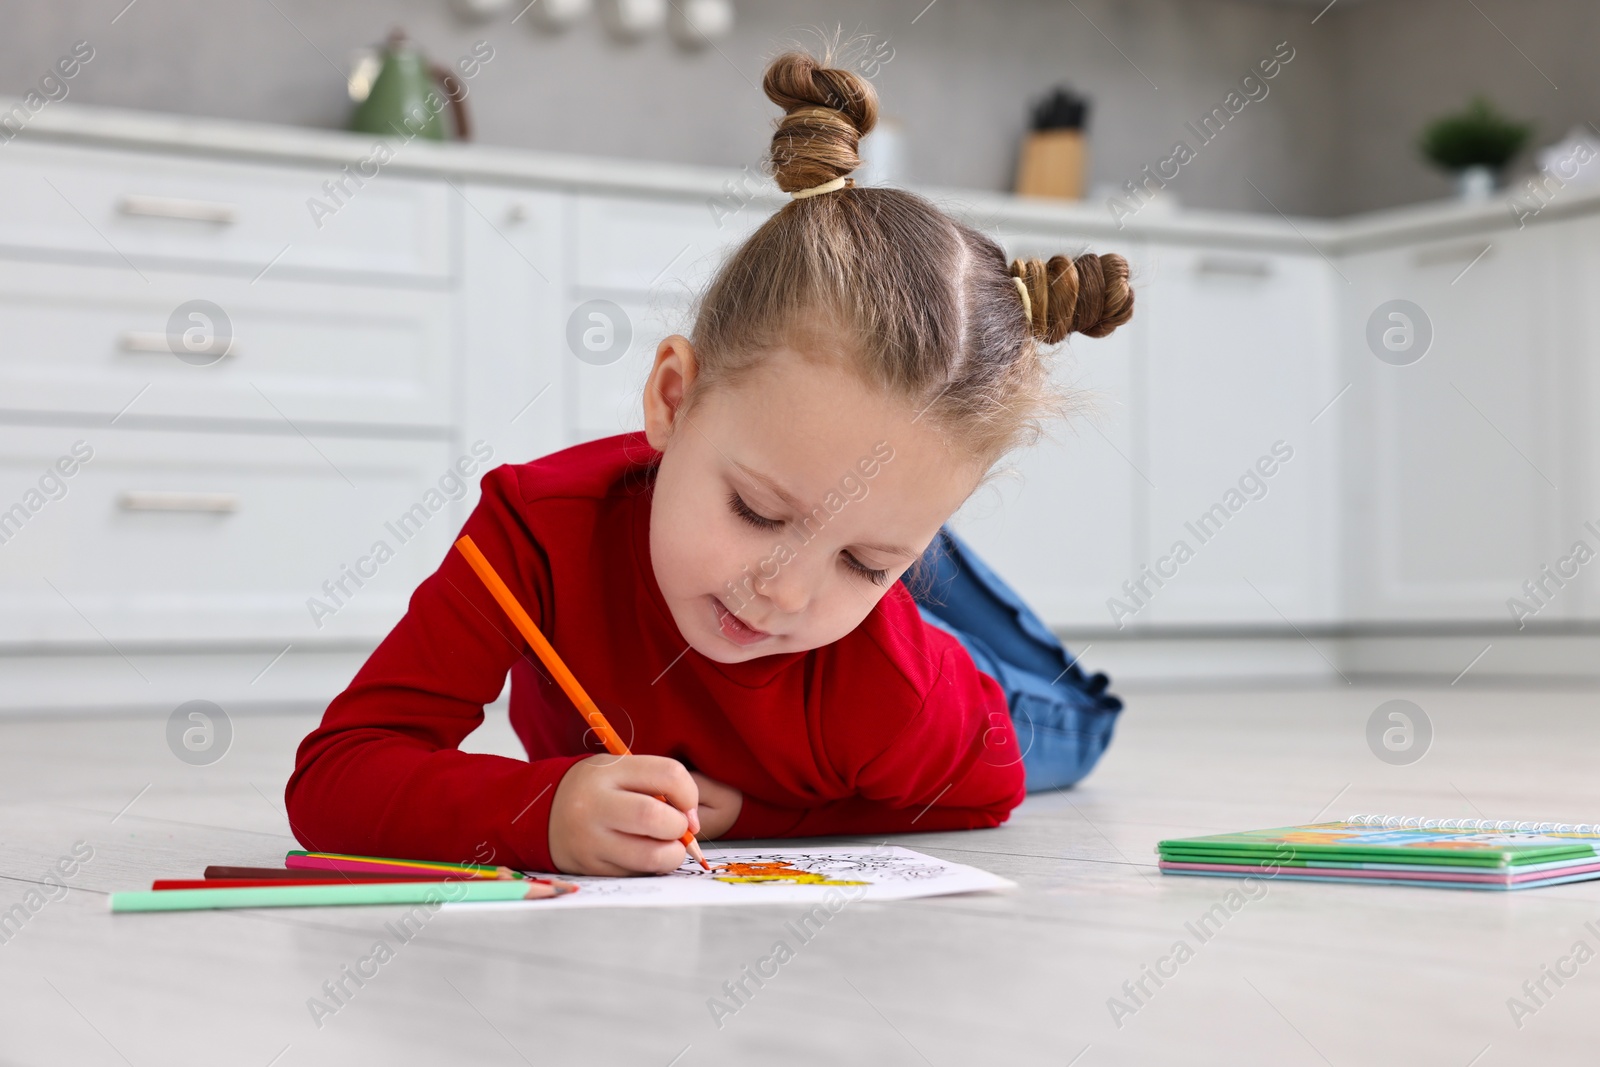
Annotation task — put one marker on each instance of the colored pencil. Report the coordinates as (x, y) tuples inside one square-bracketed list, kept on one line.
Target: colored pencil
[(564, 677), (338, 861), (314, 878), (168, 884), (318, 896), (308, 875)]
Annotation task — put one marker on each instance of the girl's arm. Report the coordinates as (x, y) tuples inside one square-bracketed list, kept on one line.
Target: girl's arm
[(383, 774), (955, 765)]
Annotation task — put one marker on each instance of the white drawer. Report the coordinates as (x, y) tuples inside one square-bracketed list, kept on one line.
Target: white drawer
[(168, 536), (94, 340), (643, 244), (152, 209)]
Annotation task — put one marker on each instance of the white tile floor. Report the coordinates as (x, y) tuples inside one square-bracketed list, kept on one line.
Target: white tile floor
[(1304, 974)]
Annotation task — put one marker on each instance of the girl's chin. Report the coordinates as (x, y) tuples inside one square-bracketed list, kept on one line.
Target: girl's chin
[(717, 650), (725, 654)]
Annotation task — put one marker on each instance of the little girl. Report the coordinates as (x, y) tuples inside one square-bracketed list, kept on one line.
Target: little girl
[(726, 584)]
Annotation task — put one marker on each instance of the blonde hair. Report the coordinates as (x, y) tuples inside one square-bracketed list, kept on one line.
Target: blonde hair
[(917, 303)]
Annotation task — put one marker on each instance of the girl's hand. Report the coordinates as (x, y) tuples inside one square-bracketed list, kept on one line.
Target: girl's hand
[(719, 806), (605, 818)]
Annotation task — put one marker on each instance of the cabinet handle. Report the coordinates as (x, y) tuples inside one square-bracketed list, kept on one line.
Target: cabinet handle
[(1234, 266), (164, 500), (169, 207), (1440, 255), (151, 341)]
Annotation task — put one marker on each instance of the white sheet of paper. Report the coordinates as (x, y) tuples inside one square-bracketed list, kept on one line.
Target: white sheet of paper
[(777, 876)]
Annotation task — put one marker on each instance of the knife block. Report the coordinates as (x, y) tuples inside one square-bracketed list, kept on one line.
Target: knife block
[(1052, 164)]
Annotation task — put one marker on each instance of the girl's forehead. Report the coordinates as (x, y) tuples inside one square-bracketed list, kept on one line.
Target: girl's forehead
[(796, 403), (795, 393)]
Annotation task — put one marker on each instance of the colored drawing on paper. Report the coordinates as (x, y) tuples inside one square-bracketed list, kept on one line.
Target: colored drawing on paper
[(774, 871), (872, 866), (772, 875)]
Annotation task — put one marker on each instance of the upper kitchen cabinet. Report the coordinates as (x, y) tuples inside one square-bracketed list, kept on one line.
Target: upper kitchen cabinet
[(1061, 522), (1459, 354), (1240, 461)]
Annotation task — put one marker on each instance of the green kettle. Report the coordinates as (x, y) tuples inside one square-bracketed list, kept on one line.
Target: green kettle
[(409, 94)]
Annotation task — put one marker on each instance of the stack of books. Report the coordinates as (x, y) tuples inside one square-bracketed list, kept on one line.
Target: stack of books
[(1398, 850)]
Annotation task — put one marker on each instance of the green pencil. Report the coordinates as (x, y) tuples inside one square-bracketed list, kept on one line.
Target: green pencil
[(303, 896)]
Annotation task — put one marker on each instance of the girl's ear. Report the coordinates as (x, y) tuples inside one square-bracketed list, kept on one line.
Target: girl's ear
[(665, 389)]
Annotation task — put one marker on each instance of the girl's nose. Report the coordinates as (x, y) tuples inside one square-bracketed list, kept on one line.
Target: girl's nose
[(789, 590)]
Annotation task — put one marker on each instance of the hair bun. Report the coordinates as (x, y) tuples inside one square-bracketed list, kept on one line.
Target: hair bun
[(1088, 295), (828, 111)]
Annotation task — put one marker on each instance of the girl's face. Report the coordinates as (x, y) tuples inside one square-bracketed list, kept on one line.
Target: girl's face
[(786, 506)]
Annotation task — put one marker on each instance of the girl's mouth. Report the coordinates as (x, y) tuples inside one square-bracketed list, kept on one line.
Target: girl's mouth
[(732, 628)]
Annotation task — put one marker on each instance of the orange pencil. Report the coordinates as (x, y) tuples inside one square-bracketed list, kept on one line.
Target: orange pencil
[(547, 653)]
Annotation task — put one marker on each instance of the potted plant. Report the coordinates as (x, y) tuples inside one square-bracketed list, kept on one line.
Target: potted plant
[(1474, 145)]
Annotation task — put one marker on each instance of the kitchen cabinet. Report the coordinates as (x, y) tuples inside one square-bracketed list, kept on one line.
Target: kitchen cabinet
[(444, 315), (647, 244), (617, 338), (168, 208), (1240, 525), (1457, 458), (95, 339), (514, 365), (638, 265), (259, 401), (1578, 413), (212, 539), (1063, 522)]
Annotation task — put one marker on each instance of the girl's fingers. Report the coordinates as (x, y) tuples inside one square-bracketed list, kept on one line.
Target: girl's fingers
[(658, 775), (645, 855), (644, 816), (607, 868)]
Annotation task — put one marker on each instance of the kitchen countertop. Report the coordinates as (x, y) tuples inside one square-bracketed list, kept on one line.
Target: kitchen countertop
[(1000, 212)]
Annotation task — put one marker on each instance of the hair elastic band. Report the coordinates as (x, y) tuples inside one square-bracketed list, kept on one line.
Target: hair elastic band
[(825, 187), (1027, 301)]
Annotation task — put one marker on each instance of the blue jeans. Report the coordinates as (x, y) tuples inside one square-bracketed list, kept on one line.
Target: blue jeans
[(1063, 718)]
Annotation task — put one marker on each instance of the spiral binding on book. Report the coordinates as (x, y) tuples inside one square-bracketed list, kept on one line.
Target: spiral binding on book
[(1412, 822)]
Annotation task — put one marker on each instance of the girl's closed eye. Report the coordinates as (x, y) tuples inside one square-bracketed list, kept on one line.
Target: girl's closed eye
[(876, 577), (740, 508)]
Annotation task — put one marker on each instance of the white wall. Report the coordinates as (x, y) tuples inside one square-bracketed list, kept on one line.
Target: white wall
[(1334, 135), (962, 75)]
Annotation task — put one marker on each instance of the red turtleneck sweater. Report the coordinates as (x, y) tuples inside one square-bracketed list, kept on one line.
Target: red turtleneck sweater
[(889, 729)]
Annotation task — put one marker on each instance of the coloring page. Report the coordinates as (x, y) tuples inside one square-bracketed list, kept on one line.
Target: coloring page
[(775, 876)]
